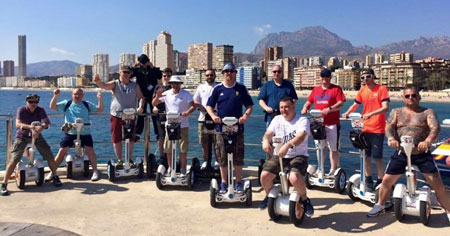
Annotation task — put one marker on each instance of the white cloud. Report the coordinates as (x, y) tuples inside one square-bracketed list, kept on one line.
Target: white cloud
[(263, 29), (61, 51)]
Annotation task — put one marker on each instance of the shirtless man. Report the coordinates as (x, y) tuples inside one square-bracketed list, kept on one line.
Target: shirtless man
[(422, 124)]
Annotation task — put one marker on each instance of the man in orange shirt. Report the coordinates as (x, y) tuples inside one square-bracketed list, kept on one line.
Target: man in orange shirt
[(375, 99)]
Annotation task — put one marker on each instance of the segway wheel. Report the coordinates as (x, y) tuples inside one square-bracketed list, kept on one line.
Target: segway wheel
[(296, 212), (111, 172), (260, 169), (308, 184), (350, 186), (20, 178), (159, 184), (212, 196), (141, 170), (150, 165), (196, 164), (398, 209), (86, 168), (340, 181), (40, 179), (190, 179), (69, 169), (271, 208), (248, 196), (425, 212)]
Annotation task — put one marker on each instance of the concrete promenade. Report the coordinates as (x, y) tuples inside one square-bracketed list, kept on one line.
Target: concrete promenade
[(136, 207)]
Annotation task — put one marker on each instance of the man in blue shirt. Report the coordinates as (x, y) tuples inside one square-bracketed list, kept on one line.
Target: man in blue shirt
[(73, 110), (230, 96), (272, 92)]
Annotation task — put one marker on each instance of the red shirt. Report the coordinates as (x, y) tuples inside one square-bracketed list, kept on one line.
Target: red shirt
[(323, 98)]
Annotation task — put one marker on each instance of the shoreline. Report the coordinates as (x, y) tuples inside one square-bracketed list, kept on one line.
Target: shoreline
[(437, 97)]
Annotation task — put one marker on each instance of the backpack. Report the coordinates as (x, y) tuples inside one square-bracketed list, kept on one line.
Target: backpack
[(70, 102)]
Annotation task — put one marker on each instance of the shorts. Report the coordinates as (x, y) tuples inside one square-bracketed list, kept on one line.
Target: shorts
[(238, 154), (375, 142), (160, 128), (116, 129), (297, 164), (333, 136), (183, 142), (424, 161), (203, 137), (20, 144), (67, 141)]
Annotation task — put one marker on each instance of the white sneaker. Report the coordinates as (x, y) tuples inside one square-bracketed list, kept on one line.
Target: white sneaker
[(183, 172), (376, 210), (95, 175), (216, 165), (448, 216), (331, 173), (203, 165), (49, 177)]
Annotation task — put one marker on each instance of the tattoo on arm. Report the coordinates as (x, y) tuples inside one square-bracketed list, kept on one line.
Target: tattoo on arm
[(433, 123), (391, 123)]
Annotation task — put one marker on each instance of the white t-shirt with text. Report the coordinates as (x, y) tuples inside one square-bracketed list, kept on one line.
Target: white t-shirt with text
[(177, 102), (202, 95), (287, 130)]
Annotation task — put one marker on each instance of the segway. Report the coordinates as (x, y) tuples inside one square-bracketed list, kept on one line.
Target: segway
[(208, 171), (128, 168), (280, 202), (171, 177), (229, 129), (80, 162), (356, 185), (315, 175), (151, 162), (34, 169), (262, 161), (408, 200)]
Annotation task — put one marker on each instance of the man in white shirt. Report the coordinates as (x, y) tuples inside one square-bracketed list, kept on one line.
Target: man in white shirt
[(201, 97), (294, 130), (180, 101)]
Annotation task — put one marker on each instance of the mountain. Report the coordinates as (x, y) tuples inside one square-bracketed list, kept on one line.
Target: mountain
[(50, 68), (421, 48)]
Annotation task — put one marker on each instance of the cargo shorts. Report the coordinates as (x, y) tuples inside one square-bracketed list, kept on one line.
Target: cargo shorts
[(20, 144), (238, 154), (297, 164), (183, 142)]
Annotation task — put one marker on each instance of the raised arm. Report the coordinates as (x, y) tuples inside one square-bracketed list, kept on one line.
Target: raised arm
[(106, 86), (100, 106), (54, 100)]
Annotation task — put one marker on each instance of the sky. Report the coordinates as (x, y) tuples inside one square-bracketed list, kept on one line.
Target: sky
[(76, 29)]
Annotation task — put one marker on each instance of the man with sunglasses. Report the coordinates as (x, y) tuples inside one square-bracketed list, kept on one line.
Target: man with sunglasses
[(375, 99), (230, 97), (201, 97), (329, 98), (125, 92), (25, 116), (272, 92), (423, 125)]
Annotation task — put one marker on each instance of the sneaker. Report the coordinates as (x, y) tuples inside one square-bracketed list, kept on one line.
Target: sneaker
[(95, 175), (309, 209), (263, 204), (49, 177), (4, 189), (223, 188), (183, 172), (56, 181), (331, 173), (369, 184), (119, 163), (448, 215), (132, 165), (376, 210), (203, 165), (239, 187)]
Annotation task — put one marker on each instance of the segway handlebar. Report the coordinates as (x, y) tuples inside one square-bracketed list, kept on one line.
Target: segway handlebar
[(407, 142)]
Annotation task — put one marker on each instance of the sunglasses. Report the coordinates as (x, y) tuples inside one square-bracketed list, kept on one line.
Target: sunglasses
[(126, 72), (366, 76), (228, 71), (408, 96), (167, 76), (209, 75), (276, 71), (33, 102)]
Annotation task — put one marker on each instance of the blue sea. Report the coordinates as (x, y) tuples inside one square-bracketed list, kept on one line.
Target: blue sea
[(254, 129)]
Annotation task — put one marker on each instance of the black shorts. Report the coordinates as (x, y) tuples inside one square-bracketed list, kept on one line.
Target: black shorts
[(67, 140), (297, 164), (424, 161)]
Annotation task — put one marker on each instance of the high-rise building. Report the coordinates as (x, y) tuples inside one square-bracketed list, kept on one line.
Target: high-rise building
[(200, 56), (378, 58), (180, 60), (333, 62), (22, 55), (289, 63), (271, 54), (397, 75), (348, 78), (248, 76), (401, 57), (222, 55), (101, 66), (149, 49), (315, 61), (164, 51), (8, 68), (307, 77), (0, 68), (85, 71), (127, 59)]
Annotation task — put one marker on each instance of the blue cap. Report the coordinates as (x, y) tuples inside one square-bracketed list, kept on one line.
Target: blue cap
[(229, 66)]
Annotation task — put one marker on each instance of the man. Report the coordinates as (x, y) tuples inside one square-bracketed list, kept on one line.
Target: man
[(160, 109), (328, 98), (375, 99), (423, 125), (230, 97), (124, 95), (73, 110), (294, 129), (147, 77), (271, 93), (180, 101), (25, 116), (201, 97)]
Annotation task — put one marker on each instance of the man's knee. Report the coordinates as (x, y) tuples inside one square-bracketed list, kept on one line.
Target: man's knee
[(266, 176), (295, 177)]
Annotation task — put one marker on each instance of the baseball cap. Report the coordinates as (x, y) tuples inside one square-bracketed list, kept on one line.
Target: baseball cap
[(143, 59), (125, 68), (367, 71), (32, 96), (229, 66)]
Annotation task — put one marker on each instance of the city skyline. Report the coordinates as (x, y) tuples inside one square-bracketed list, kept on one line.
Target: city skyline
[(58, 31)]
